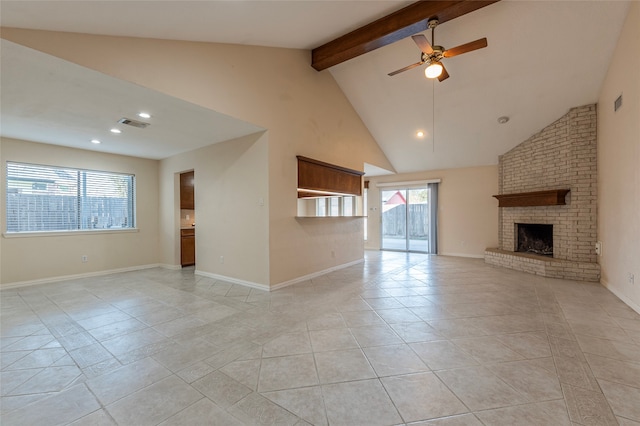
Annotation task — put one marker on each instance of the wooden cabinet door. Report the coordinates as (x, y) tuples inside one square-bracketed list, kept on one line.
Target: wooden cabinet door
[(187, 248), (187, 191)]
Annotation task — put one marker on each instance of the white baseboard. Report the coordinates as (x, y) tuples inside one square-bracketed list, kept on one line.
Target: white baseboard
[(621, 296), (279, 285), (18, 284), (233, 280), (314, 275), (169, 266), (472, 256)]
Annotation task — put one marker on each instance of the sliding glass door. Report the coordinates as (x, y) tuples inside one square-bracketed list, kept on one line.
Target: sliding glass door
[(406, 219)]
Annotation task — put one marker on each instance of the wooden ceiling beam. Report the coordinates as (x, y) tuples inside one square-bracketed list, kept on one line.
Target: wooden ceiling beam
[(391, 28)]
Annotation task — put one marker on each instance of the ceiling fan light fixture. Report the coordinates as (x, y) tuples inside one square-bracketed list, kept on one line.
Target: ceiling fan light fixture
[(433, 70)]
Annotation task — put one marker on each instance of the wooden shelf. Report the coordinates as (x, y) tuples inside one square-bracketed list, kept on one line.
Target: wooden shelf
[(554, 197)]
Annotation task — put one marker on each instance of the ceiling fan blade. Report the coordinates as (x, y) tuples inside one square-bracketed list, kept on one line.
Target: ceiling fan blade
[(444, 75), (407, 68), (464, 48), (423, 44)]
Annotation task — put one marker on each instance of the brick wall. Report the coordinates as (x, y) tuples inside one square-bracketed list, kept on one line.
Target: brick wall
[(561, 156)]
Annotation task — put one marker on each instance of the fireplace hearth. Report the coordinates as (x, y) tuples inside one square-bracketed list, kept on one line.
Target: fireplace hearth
[(560, 160), (534, 239)]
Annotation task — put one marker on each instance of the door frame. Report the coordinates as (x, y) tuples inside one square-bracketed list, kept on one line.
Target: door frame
[(406, 189)]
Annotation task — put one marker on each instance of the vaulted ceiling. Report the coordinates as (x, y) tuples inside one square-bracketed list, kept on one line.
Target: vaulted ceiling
[(542, 59)]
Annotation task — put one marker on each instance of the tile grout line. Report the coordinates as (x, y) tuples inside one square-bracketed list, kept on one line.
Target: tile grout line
[(555, 360)]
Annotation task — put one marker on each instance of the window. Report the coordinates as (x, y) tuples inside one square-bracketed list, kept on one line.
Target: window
[(348, 206), (45, 198), (334, 206), (409, 217), (321, 207)]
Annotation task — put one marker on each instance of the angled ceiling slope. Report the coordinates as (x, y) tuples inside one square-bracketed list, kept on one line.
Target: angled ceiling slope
[(275, 23), (47, 99), (541, 60), (391, 28)]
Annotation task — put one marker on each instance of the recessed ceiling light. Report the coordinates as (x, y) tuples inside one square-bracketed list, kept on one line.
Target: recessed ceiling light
[(114, 130), (144, 115), (504, 119), (95, 141), (420, 134)]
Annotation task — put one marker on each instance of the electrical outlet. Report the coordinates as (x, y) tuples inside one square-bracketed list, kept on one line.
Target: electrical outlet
[(599, 248), (221, 259), (631, 278), (85, 258)]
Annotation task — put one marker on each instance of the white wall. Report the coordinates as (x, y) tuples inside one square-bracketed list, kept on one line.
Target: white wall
[(27, 259), (467, 212), (230, 183), (619, 166), (305, 112)]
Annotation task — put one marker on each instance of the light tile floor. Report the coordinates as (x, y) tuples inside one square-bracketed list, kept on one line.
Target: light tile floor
[(400, 338)]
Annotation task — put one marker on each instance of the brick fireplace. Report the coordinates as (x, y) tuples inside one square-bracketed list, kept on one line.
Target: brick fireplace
[(559, 160)]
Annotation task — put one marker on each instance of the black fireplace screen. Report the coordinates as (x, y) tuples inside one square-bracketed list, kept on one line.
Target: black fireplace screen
[(534, 238)]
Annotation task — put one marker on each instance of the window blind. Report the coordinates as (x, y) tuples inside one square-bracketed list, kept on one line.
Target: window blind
[(47, 198)]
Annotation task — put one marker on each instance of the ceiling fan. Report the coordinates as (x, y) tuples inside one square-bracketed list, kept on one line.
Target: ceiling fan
[(433, 55)]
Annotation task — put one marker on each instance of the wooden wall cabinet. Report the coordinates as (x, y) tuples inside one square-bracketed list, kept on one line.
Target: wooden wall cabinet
[(319, 178), (187, 191), (187, 247)]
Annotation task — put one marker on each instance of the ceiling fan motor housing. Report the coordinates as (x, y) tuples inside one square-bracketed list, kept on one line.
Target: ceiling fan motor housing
[(436, 56)]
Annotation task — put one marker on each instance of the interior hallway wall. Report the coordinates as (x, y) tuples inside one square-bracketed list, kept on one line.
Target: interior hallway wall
[(619, 166), (231, 208), (305, 112)]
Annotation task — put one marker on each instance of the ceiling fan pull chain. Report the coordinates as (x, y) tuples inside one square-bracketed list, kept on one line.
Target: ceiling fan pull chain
[(433, 115)]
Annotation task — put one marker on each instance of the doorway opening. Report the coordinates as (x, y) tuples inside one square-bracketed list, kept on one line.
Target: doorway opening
[(187, 219), (409, 219)]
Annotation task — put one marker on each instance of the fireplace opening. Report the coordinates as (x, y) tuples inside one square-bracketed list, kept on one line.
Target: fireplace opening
[(534, 238)]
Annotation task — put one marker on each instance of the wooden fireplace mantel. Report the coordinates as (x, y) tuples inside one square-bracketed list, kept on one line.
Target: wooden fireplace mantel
[(554, 197)]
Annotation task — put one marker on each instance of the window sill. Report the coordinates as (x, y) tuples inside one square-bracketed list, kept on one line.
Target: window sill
[(67, 233)]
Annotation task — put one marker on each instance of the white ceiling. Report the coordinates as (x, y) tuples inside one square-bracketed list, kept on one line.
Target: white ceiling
[(543, 58), (298, 24), (49, 100)]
